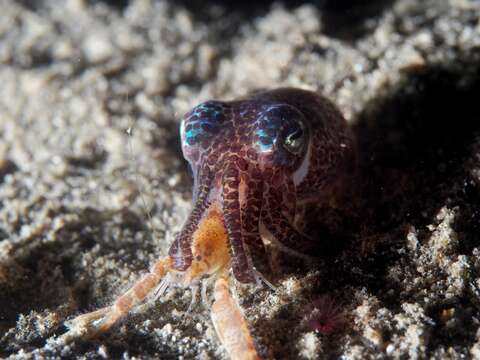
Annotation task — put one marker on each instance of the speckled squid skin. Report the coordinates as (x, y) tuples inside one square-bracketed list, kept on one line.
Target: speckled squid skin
[(261, 158)]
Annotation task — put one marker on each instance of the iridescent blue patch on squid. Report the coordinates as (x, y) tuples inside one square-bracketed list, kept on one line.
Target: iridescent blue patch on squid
[(264, 141), (268, 127), (203, 121), (193, 135), (210, 111)]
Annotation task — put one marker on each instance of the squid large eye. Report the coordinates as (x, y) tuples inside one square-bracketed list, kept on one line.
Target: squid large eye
[(294, 138), (281, 126), (202, 123)]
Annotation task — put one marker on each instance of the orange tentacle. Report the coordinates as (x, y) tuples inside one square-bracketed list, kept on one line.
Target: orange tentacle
[(230, 325), (98, 322)]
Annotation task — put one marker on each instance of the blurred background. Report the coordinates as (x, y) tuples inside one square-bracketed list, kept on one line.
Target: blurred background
[(76, 75)]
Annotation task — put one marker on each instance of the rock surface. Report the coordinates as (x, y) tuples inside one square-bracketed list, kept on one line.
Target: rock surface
[(76, 75)]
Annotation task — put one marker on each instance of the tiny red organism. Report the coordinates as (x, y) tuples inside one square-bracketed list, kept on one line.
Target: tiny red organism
[(325, 315)]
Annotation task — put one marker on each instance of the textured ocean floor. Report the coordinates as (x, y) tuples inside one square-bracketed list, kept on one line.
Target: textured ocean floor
[(75, 75)]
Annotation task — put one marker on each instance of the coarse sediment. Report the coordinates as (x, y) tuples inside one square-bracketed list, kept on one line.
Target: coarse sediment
[(75, 75)]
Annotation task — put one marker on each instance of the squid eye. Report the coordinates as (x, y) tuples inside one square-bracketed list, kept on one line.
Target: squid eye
[(202, 123), (294, 138), (281, 126)]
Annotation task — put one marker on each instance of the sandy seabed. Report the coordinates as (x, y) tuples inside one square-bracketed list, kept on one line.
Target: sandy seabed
[(75, 75)]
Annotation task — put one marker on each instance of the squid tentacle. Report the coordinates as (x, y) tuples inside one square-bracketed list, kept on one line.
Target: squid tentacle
[(280, 223), (181, 251), (250, 216), (232, 215)]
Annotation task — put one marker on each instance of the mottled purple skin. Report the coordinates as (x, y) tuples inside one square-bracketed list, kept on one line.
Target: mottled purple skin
[(262, 158)]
